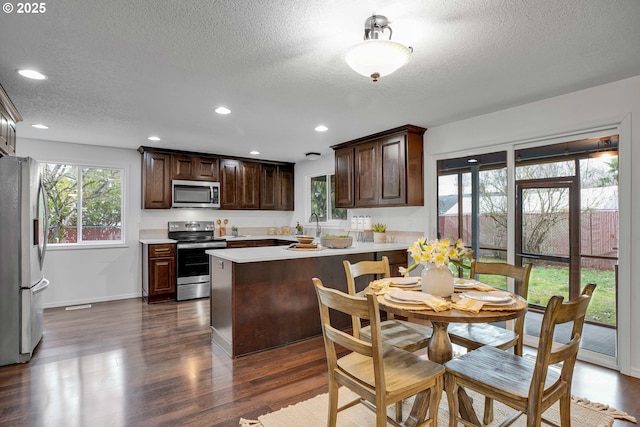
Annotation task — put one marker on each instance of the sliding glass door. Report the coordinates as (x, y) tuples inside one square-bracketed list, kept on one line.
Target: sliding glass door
[(564, 222)]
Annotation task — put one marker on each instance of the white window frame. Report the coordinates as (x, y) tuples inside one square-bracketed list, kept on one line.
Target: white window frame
[(330, 222), (93, 244)]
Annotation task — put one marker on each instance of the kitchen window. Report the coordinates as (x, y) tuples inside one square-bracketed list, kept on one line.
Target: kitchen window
[(85, 204), (323, 198)]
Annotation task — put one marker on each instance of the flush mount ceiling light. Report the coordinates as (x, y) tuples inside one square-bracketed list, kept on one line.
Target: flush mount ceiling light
[(375, 57), (312, 156), (32, 74)]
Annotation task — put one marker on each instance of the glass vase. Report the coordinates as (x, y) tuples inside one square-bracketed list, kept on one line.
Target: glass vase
[(437, 280)]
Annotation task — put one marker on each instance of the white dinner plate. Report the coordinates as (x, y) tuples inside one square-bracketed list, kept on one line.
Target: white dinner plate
[(464, 283), (403, 282), (495, 297), (408, 296)]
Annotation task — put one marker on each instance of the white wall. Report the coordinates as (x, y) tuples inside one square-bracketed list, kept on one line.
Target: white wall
[(612, 105)]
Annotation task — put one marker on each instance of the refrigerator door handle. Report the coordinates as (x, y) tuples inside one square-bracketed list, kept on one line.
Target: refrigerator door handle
[(40, 287), (41, 230)]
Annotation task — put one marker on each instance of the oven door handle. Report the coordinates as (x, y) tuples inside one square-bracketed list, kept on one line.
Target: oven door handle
[(220, 245)]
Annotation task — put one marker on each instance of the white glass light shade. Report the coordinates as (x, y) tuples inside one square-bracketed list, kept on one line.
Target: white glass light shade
[(377, 58)]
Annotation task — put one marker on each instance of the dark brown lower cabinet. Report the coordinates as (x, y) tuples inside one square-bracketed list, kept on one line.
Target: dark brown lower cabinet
[(159, 272), (397, 259)]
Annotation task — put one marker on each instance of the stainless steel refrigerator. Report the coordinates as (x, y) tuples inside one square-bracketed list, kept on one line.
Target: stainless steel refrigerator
[(23, 244)]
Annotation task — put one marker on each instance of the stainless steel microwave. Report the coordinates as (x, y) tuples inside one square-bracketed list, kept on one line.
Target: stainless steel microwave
[(195, 194)]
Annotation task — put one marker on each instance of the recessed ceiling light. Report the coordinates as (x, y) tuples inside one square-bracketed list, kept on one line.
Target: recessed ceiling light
[(321, 128), (254, 152), (222, 110), (40, 126), (472, 161), (154, 138), (32, 74)]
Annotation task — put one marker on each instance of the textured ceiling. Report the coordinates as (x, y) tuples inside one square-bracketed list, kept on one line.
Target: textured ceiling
[(120, 71)]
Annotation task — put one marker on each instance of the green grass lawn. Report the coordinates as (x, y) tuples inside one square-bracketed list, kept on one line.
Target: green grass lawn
[(547, 281)]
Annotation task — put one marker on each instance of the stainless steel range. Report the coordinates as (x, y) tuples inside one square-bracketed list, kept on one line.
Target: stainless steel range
[(194, 238)]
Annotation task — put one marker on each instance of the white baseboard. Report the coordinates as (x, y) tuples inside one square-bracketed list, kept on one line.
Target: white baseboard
[(91, 300)]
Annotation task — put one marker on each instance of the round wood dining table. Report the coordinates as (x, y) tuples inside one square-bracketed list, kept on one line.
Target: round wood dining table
[(440, 349)]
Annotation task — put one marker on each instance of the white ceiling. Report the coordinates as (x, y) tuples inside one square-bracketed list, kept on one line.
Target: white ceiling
[(120, 71)]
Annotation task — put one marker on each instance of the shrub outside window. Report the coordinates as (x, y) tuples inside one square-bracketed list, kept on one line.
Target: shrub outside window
[(85, 203), (323, 198)]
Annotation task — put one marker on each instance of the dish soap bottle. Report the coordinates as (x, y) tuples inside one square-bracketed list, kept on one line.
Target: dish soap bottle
[(298, 228)]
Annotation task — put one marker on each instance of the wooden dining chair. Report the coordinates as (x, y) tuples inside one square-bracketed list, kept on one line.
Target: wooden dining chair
[(476, 335), (529, 387), (403, 334), (379, 373), (398, 333)]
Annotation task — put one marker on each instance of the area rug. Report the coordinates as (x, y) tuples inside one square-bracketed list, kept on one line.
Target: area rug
[(313, 413)]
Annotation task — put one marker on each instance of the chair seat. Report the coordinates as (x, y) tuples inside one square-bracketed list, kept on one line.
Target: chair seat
[(403, 371), (476, 335), (496, 373), (408, 336)]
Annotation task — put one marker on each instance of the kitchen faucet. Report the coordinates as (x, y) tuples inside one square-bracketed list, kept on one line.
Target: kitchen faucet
[(317, 223)]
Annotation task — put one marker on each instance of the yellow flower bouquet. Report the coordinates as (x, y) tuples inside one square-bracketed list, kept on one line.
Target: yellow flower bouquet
[(440, 252)]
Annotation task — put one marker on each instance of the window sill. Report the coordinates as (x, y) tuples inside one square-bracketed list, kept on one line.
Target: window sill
[(75, 246)]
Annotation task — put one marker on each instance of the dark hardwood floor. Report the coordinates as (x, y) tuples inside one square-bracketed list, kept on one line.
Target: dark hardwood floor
[(126, 363)]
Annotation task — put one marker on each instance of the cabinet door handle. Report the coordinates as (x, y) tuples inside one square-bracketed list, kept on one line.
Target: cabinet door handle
[(163, 250)]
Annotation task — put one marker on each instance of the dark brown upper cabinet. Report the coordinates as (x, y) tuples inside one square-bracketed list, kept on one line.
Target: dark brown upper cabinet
[(9, 116), (344, 177), (249, 185), (384, 169), (240, 182), (276, 187), (195, 168), (156, 180), (244, 184)]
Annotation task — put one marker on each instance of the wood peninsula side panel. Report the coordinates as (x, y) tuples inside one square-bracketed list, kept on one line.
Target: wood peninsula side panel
[(261, 305)]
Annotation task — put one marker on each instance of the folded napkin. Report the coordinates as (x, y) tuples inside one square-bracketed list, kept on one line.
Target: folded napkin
[(437, 303), (380, 286), (473, 284), (468, 304)]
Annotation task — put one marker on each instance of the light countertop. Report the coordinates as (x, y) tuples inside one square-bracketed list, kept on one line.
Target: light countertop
[(229, 238), (275, 253), (288, 237), (157, 241)]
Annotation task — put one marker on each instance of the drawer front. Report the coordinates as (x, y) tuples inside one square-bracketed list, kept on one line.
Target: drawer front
[(163, 250)]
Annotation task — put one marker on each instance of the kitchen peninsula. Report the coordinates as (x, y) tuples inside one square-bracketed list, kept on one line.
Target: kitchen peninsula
[(263, 297)]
